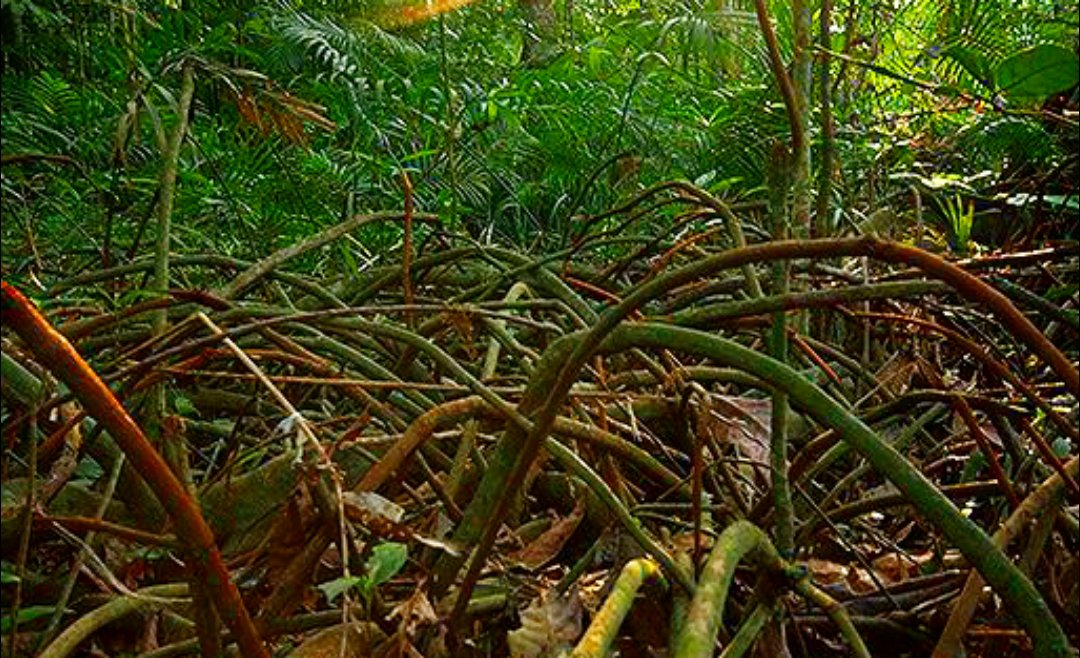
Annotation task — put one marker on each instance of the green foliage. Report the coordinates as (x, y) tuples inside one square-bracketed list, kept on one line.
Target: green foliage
[(1038, 72), (25, 616), (995, 142), (385, 562), (959, 219), (508, 150), (8, 575)]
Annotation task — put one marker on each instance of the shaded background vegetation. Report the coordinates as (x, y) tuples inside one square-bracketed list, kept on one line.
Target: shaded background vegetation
[(621, 95)]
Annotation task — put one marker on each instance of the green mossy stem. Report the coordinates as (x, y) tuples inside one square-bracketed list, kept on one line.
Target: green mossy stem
[(262, 268), (1043, 501), (836, 612), (748, 631), (145, 600), (19, 384), (739, 540), (597, 640), (465, 409), (706, 316)]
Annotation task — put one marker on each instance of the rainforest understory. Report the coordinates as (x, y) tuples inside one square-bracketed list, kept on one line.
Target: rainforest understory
[(254, 402)]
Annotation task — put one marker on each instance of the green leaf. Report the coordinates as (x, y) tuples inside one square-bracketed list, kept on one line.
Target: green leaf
[(1062, 292), (385, 561), (597, 58), (975, 463), (348, 259), (971, 60), (1038, 72), (1061, 446), (334, 588), (1022, 199), (184, 406), (89, 469), (25, 616), (1070, 201)]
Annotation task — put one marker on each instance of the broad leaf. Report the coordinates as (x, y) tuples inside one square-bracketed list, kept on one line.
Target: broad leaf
[(385, 561), (1038, 72), (971, 60)]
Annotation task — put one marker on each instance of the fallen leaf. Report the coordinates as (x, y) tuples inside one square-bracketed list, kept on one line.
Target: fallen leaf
[(546, 547), (548, 626), (343, 641)]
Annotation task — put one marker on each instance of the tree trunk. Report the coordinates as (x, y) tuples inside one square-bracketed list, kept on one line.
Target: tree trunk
[(539, 33)]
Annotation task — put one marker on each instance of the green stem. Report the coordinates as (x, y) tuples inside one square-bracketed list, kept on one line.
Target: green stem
[(160, 281), (275, 260), (705, 316), (601, 633), (698, 636), (18, 383), (748, 631), (573, 463), (565, 358), (821, 227), (1040, 502), (148, 598), (779, 177), (800, 148), (836, 613)]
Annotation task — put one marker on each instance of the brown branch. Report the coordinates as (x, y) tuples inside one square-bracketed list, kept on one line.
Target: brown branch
[(61, 358), (90, 524)]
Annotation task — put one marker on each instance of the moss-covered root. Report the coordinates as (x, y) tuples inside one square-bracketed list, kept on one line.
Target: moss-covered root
[(698, 636), (148, 598), (836, 613), (605, 626)]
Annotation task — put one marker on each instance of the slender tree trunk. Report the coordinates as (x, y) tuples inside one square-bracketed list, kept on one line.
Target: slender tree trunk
[(822, 223), (779, 177), (170, 444), (795, 90), (802, 80), (772, 641), (171, 158), (539, 31)]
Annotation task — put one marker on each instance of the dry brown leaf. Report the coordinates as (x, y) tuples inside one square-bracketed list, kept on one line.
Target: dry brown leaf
[(548, 626), (415, 611), (546, 547), (290, 531), (343, 641), (859, 581), (742, 422), (826, 572), (463, 324), (896, 567), (383, 518), (895, 376)]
